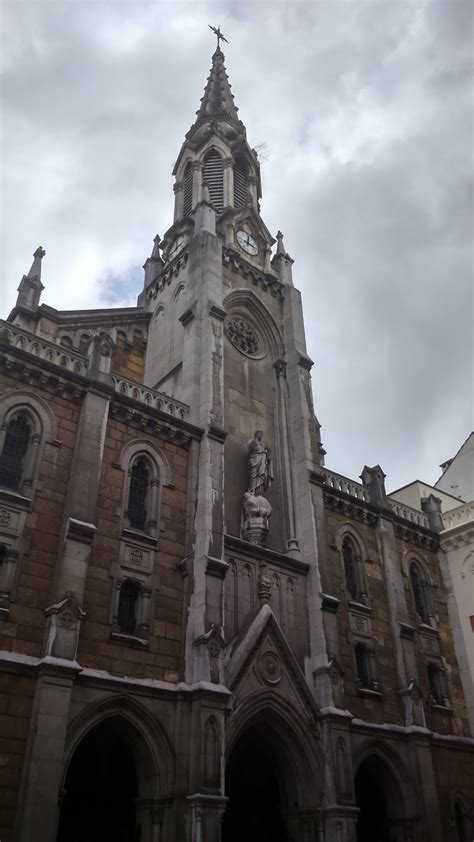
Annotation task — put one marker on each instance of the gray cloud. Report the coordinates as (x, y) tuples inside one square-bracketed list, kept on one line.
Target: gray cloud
[(366, 112)]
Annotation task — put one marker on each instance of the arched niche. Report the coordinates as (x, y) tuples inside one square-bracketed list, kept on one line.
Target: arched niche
[(385, 795)]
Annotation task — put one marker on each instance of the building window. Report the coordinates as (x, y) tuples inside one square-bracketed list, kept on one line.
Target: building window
[(213, 176), (15, 446), (353, 569), (438, 685), (188, 190), (138, 493), (362, 665), (127, 607), (420, 590), (240, 183)]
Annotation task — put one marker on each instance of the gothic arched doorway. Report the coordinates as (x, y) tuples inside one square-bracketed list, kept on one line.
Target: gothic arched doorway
[(379, 800), (257, 806), (101, 787)]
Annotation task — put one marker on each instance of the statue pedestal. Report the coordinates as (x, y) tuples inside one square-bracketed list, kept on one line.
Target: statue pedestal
[(256, 512)]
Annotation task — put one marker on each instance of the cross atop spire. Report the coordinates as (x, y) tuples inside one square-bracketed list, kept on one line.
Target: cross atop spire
[(217, 31)]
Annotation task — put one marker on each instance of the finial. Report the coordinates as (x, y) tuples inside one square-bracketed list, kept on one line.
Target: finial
[(217, 31), (35, 271), (280, 246), (156, 248)]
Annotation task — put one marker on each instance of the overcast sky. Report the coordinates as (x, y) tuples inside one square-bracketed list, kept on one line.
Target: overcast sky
[(365, 110)]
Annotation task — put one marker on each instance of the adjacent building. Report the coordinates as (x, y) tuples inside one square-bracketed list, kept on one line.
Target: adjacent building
[(206, 634)]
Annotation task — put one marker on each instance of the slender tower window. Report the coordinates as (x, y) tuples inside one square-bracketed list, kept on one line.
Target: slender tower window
[(350, 562), (362, 664), (240, 183), (127, 607), (418, 589), (188, 190), (213, 175), (137, 497), (17, 438)]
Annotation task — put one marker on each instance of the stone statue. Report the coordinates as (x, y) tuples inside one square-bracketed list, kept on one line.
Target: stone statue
[(260, 465), (256, 510)]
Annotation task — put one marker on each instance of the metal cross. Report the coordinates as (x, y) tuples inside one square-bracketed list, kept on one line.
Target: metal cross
[(217, 31)]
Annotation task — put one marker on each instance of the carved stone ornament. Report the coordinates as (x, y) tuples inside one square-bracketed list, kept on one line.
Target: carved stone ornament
[(242, 336), (269, 667), (256, 512), (5, 517)]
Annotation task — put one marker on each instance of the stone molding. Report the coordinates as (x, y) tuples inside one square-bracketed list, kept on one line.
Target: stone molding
[(265, 281)]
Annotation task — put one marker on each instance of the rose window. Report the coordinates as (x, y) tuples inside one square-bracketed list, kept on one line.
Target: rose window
[(242, 336)]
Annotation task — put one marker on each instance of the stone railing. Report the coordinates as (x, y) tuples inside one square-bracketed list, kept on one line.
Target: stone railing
[(407, 513), (347, 486), (73, 361), (458, 516), (42, 348), (150, 397)]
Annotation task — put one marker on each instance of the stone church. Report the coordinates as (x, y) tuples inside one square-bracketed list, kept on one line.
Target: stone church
[(206, 634)]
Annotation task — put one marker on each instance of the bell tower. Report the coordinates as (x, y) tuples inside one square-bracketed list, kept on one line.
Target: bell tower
[(227, 337)]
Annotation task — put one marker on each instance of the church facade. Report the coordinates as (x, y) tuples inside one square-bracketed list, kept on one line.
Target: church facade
[(206, 634)]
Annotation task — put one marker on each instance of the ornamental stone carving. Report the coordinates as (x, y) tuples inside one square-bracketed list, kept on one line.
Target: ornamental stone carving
[(242, 336), (269, 667)]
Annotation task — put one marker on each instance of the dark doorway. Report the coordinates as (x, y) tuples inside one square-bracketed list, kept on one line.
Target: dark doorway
[(377, 798), (101, 786), (255, 811)]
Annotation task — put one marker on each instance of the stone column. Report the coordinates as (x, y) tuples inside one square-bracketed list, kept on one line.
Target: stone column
[(43, 771), (228, 182), (197, 182), (178, 190), (402, 631)]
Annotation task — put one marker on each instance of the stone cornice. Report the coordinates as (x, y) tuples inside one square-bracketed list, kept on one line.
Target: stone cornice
[(153, 420), (244, 548), (172, 270), (359, 508), (266, 281)]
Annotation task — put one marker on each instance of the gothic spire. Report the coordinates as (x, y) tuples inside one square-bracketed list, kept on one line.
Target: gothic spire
[(218, 100)]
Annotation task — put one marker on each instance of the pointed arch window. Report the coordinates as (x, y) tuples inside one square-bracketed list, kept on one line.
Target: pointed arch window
[(353, 569), (240, 183), (438, 684), (420, 589), (138, 493), (213, 175), (15, 446), (362, 665), (188, 190)]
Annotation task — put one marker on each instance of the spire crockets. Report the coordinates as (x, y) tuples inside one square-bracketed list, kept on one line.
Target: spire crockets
[(218, 101), (30, 288)]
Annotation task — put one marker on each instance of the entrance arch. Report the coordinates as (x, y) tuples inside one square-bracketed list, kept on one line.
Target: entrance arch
[(379, 797), (116, 753), (273, 775), (101, 788)]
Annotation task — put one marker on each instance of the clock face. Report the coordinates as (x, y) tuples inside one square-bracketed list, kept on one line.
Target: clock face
[(247, 242), (175, 247)]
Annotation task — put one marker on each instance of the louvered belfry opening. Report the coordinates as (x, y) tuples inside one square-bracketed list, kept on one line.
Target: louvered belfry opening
[(188, 190), (213, 175), (240, 183)]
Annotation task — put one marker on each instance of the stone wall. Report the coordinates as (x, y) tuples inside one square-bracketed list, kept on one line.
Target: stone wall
[(16, 699)]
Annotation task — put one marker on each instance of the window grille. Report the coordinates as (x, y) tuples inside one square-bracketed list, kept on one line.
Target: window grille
[(3, 553), (438, 687), (17, 438), (188, 190), (240, 184), (350, 561), (127, 607), (362, 664), (137, 497), (213, 175)]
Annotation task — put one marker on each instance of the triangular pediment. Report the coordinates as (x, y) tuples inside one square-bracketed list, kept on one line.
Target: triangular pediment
[(261, 659)]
